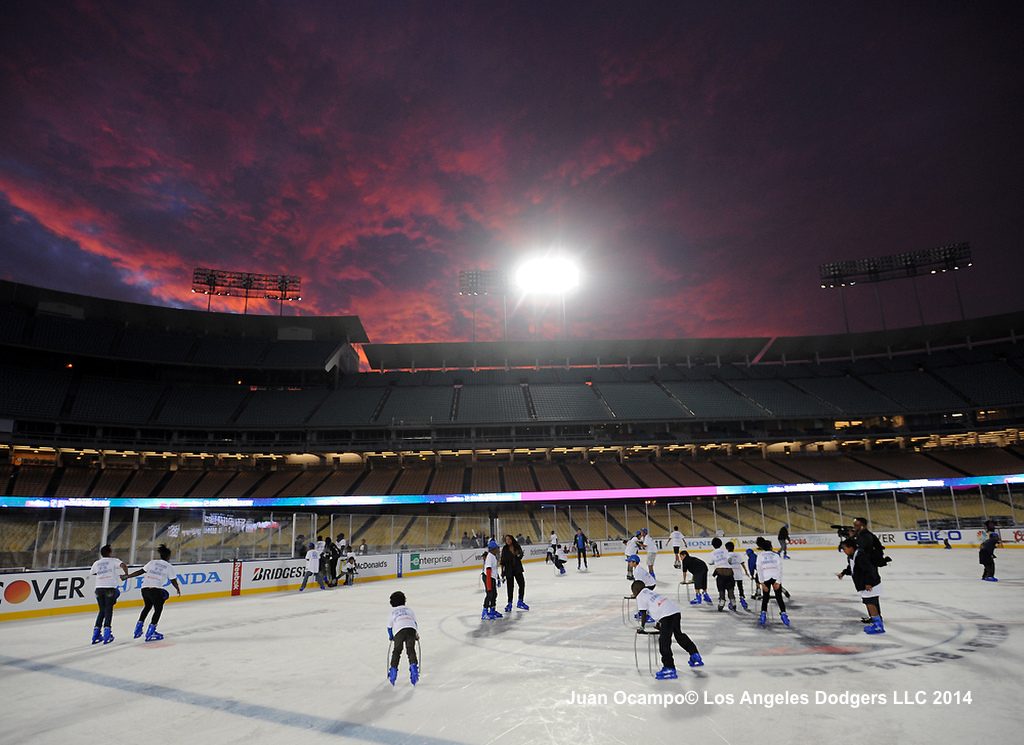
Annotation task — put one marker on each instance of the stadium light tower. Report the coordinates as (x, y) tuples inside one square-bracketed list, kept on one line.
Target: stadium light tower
[(548, 276), (476, 282), (280, 287)]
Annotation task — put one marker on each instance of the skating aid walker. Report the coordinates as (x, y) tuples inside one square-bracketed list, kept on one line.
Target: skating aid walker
[(652, 642), (689, 592)]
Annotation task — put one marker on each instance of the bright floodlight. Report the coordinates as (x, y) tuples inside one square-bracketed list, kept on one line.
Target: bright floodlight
[(547, 275)]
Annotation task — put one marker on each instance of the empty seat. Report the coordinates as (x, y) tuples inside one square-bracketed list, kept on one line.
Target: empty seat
[(567, 402), (285, 408), (32, 393), (492, 403), (641, 401), (347, 406), (121, 401), (201, 406), (713, 400), (417, 405)]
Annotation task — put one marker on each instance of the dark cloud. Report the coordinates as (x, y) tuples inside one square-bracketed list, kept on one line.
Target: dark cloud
[(700, 162)]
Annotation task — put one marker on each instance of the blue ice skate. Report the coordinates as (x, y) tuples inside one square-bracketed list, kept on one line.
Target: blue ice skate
[(138, 630), (494, 614), (785, 618), (97, 635), (152, 635), (732, 606), (695, 660), (392, 675), (763, 619), (508, 608), (743, 603), (522, 606), (697, 600), (876, 626), (485, 614), (108, 636), (414, 673), (990, 579), (707, 598), (666, 673)]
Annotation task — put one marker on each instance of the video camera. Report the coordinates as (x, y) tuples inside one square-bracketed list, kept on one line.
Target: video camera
[(843, 531)]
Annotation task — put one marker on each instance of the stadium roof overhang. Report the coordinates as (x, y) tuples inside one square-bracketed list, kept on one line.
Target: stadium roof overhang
[(197, 322), (561, 353), (592, 353)]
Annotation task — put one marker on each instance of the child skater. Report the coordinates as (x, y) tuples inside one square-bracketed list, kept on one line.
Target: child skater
[(158, 573), (699, 570), (312, 568), (666, 615), (752, 571), (769, 574), (403, 631), (678, 543), (561, 558), (652, 552), (866, 581), (107, 570), (511, 561), (987, 557), (739, 568), (641, 575), (723, 574), (490, 576)]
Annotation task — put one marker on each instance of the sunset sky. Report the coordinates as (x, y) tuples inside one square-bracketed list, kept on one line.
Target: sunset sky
[(698, 159)]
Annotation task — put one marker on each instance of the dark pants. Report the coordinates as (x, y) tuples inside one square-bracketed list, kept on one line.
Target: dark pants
[(700, 581), (989, 568), (154, 599), (491, 592), (511, 579), (784, 547), (558, 562), (105, 599), (406, 638), (669, 628), (581, 555), (329, 570), (725, 583), (305, 578), (874, 601), (739, 586), (767, 589)]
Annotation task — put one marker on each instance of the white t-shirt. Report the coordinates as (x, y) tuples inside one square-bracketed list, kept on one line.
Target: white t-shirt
[(490, 560), (313, 561), (402, 617), (676, 539), (554, 539), (321, 545), (563, 554), (158, 573), (641, 573), (719, 558), (737, 563), (657, 606), (769, 567), (631, 546), (350, 565), (107, 571)]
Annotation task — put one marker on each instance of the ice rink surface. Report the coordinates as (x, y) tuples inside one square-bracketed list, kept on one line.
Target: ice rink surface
[(310, 667)]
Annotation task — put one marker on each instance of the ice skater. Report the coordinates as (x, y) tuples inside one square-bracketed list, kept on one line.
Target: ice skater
[(723, 574), (349, 569), (652, 552), (678, 542), (699, 571), (511, 562), (987, 557), (561, 558), (632, 549), (490, 576), (769, 574), (159, 572), (108, 570), (640, 574), (581, 543), (784, 541), (404, 632), (752, 571), (739, 568), (666, 616), (312, 568), (867, 582)]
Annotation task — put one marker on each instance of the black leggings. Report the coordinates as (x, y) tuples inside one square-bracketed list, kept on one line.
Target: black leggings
[(154, 598), (768, 593), (581, 553), (669, 627), (491, 598), (406, 638), (106, 597), (700, 581), (739, 586), (988, 568), (725, 583), (510, 580)]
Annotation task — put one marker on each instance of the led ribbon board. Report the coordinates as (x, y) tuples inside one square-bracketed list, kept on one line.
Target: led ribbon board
[(582, 495)]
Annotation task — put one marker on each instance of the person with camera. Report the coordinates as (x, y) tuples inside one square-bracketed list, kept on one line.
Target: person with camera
[(866, 581), (868, 544)]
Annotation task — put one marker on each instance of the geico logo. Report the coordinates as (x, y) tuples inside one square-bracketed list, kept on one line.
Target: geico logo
[(374, 564), (55, 588), (435, 559), (932, 535), (264, 574)]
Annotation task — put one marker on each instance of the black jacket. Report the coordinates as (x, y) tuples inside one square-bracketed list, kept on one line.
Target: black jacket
[(693, 565), (511, 560), (864, 571)]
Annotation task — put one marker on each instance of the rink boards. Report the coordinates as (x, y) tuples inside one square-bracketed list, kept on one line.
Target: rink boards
[(26, 595)]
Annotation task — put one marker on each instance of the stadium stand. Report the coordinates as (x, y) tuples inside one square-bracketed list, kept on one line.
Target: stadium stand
[(36, 393), (71, 335), (283, 408), (180, 484), (916, 391), (229, 352), (413, 481), (120, 401), (447, 480), (980, 461), (550, 477), (640, 401), (201, 406), (484, 479), (616, 475), (347, 406), (649, 475), (712, 400), (848, 395), (566, 403), (417, 405), (492, 403), (987, 383), (519, 478), (110, 482), (31, 481), (782, 399), (154, 346), (75, 482)]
